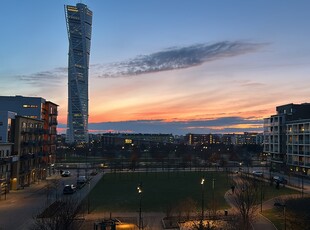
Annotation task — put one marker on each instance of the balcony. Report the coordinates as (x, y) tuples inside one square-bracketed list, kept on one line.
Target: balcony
[(42, 154), (39, 131), (31, 143), (53, 113), (301, 163), (27, 156), (53, 123), (276, 160), (6, 160), (52, 132)]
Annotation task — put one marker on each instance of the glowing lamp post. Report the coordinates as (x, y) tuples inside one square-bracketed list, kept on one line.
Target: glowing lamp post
[(140, 225), (202, 202)]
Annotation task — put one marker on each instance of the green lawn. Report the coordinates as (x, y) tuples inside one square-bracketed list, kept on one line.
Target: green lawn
[(161, 190), (270, 191), (276, 217), (118, 192)]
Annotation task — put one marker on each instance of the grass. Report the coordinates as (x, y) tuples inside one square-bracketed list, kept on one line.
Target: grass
[(271, 192), (161, 190), (276, 217), (118, 192)]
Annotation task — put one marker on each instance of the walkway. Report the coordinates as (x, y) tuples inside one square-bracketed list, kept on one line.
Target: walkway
[(19, 207), (261, 222)]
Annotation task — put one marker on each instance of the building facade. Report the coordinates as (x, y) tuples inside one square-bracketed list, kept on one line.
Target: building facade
[(79, 26), (6, 161), (6, 126), (193, 139), (298, 146), (28, 149), (50, 134), (34, 141), (284, 141)]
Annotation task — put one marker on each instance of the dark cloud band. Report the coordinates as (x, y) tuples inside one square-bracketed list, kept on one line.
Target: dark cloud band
[(177, 58), (168, 59), (219, 125)]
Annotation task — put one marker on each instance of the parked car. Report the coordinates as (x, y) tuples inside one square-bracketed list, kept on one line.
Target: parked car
[(65, 174), (93, 173), (81, 181), (257, 173), (69, 189), (280, 179)]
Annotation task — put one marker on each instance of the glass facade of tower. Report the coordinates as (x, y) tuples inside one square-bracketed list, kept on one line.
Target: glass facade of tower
[(79, 26)]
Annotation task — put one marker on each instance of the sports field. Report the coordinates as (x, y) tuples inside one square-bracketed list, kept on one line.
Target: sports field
[(164, 190)]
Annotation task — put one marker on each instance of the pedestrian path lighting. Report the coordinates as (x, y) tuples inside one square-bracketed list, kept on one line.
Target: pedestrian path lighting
[(202, 203), (139, 189)]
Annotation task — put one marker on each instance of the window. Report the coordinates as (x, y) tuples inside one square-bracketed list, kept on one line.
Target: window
[(1, 123), (34, 117), (30, 106)]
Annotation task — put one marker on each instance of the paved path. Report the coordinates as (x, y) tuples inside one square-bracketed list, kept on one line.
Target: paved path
[(19, 206), (261, 222), (151, 220), (17, 211)]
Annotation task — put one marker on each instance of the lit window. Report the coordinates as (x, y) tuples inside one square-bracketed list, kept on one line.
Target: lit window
[(30, 106), (128, 141)]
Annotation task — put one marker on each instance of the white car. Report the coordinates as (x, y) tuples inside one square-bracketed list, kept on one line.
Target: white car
[(69, 189), (65, 174)]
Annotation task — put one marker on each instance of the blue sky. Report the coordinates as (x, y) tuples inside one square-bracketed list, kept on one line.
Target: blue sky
[(165, 66)]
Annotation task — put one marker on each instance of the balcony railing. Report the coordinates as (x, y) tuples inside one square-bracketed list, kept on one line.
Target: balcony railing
[(53, 123), (6, 160), (54, 113), (52, 132)]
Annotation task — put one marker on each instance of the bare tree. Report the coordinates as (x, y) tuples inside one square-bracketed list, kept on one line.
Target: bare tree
[(297, 213), (58, 216), (185, 209), (245, 201)]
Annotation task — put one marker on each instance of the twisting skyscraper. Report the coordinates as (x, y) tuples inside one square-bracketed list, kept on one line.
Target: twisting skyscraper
[(79, 26)]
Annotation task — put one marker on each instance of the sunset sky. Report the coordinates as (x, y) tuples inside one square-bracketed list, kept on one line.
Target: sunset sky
[(164, 66)]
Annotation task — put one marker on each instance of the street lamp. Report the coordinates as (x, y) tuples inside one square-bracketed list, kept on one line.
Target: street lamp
[(86, 168), (213, 202), (139, 189), (284, 211), (202, 202), (88, 201)]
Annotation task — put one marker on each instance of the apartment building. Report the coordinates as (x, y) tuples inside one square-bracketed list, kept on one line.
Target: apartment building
[(6, 161), (298, 146), (193, 139), (34, 140), (283, 135), (28, 149)]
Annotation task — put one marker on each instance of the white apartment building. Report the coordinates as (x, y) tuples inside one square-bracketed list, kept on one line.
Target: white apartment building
[(287, 138), (298, 146)]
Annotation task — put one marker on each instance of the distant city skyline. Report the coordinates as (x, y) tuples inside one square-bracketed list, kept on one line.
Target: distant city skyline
[(165, 66)]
